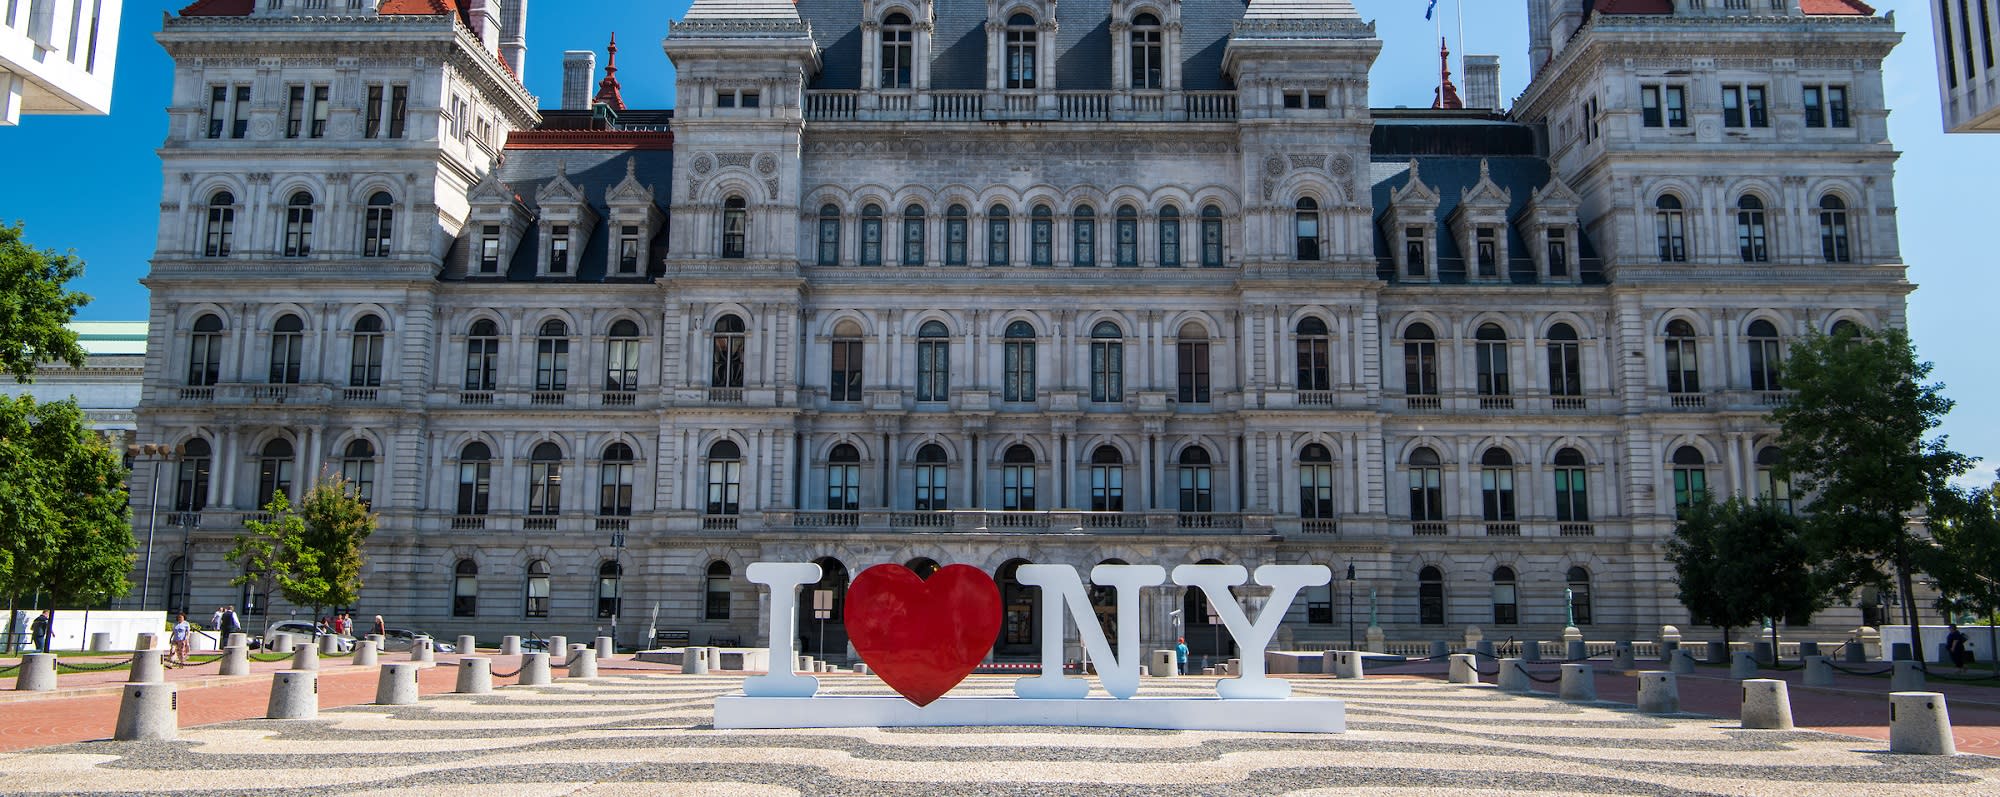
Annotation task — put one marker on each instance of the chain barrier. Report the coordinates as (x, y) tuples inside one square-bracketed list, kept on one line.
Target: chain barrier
[(1877, 673), (202, 663), (1961, 678), (62, 665), (11, 668), (516, 672)]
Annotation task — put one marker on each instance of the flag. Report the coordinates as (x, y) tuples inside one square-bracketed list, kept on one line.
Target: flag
[(1429, 11)]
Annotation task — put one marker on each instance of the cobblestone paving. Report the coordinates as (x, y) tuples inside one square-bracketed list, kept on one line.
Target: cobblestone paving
[(653, 735)]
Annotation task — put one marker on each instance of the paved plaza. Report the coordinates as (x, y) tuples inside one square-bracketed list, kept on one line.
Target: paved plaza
[(650, 734)]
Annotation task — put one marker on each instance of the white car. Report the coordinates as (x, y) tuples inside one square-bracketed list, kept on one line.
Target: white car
[(303, 632)]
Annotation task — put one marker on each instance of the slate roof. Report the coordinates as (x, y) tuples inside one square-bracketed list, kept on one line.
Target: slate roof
[(596, 171), (1662, 7)]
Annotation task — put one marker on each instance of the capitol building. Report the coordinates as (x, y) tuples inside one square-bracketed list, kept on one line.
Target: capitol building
[(998, 282)]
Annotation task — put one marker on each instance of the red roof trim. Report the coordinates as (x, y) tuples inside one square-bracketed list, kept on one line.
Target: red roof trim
[(1836, 8), (590, 139)]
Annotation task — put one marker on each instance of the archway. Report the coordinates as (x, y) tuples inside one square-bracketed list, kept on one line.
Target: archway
[(1104, 602), (1018, 621), (923, 566), (819, 637)]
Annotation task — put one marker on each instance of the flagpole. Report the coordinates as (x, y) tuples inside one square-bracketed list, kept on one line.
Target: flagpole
[(1461, 40)]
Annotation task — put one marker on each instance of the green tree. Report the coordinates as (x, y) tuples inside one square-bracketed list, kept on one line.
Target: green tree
[(1737, 563), (312, 551), (1964, 557), (63, 507), (36, 306), (1856, 436)]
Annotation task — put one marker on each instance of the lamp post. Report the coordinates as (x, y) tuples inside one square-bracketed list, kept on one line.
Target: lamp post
[(1350, 605), (159, 453)]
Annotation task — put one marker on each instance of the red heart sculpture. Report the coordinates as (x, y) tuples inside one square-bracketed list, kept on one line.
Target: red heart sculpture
[(922, 637)]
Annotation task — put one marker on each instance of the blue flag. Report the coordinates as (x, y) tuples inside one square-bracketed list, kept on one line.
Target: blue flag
[(1428, 11)]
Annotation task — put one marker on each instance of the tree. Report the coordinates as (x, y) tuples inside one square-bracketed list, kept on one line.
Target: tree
[(311, 552), (1964, 556), (1738, 563), (1856, 437), (63, 507), (36, 306)]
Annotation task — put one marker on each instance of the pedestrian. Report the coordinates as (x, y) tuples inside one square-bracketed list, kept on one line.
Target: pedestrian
[(1180, 656), (1958, 646), (41, 629), (215, 623), (182, 631), (230, 624), (381, 628)]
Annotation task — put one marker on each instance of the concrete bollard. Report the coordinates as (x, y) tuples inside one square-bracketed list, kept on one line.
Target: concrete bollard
[(378, 639), (1531, 650), (148, 713), (38, 673), (1742, 666), (1464, 669), (329, 645), (1667, 648), (1682, 662), (294, 696), (397, 685), (1208, 671), (1767, 705), (861, 668), (694, 665), (805, 664), (1765, 653), (1235, 666), (149, 641), (1919, 724), (534, 669), (1483, 647), (510, 646), (1577, 650), (305, 657), (281, 642), (467, 645), (558, 647), (236, 640), (236, 660), (1439, 649), (1819, 671), (1908, 677), (1901, 651), (1718, 652), (1659, 692), (1808, 649), (1623, 659), (1853, 653), (421, 652), (147, 667), (1579, 683), (1161, 664), (475, 675), (1514, 677), (100, 642), (582, 662), (365, 653), (606, 648), (1348, 665)]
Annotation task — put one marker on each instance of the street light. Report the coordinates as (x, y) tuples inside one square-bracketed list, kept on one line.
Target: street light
[(158, 452), (1350, 605)]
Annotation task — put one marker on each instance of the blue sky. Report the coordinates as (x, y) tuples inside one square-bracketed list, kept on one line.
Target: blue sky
[(95, 183)]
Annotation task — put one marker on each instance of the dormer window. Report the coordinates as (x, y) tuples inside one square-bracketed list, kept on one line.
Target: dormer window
[(1415, 257), (489, 249), (1021, 54), (1558, 250), (1487, 247), (1148, 53), (898, 52), (629, 245)]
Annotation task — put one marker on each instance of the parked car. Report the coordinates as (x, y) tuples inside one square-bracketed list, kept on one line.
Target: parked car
[(401, 639), (301, 631)]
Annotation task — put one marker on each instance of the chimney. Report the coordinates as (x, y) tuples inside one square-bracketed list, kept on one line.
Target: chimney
[(514, 35), (1482, 82), (485, 23), (579, 79), (1539, 50)]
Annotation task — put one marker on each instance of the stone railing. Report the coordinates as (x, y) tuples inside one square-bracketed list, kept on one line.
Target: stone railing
[(843, 105), (1059, 521)]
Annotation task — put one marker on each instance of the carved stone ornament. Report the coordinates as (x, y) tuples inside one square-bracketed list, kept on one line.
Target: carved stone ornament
[(703, 164), (767, 164)]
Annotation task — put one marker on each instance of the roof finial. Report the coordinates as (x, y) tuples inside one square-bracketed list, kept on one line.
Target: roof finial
[(607, 89), (1447, 94)]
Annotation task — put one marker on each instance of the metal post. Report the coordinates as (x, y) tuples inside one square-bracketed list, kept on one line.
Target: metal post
[(1350, 605), (152, 519), (1569, 607)]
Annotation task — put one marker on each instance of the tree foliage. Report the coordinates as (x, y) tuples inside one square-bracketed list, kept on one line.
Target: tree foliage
[(1964, 558), (36, 306), (65, 528), (1738, 563), (312, 551)]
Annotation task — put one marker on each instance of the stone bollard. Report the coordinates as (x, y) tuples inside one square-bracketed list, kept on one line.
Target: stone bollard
[(236, 640), (1667, 649), (280, 642), (1659, 692), (1514, 677), (582, 662), (1236, 667), (558, 647), (1901, 651), (397, 685), (694, 665), (606, 648), (805, 664), (1742, 666), (1766, 705), (1577, 650), (534, 669), (1765, 652), (1579, 683), (467, 645), (236, 660), (1682, 662), (1853, 653), (421, 652), (100, 642), (1464, 669), (1208, 671), (147, 667), (1908, 677), (1483, 647), (148, 713), (1819, 671), (1531, 650), (38, 673), (475, 675), (378, 639), (1161, 665), (1808, 649), (1718, 652), (1919, 724), (294, 696), (305, 657), (148, 641), (510, 646), (1623, 659), (861, 668), (365, 653), (1348, 665), (1439, 649), (329, 645)]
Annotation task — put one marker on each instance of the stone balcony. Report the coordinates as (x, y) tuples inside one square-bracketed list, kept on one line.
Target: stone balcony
[(1013, 523), (828, 105)]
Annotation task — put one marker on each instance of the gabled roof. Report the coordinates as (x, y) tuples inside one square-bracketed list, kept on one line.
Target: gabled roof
[(1660, 7)]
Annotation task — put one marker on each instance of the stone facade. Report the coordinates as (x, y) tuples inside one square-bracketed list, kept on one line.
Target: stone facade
[(57, 58), (1968, 85)]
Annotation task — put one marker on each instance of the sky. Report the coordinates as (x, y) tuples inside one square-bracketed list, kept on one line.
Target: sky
[(93, 184)]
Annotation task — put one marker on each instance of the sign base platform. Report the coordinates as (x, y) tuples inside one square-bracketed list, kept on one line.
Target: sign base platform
[(1294, 715)]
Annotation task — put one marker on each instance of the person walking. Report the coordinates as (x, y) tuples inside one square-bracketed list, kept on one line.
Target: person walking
[(1180, 656), (1958, 647), (229, 624), (179, 639), (42, 629), (381, 628)]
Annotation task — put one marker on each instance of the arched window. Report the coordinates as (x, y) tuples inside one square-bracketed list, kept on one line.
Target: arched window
[(1565, 366), (1315, 363), (482, 356), (954, 235), (1773, 487), (725, 478), (843, 382), (1148, 65), (274, 471), (1305, 229), (843, 478), (999, 243), (1211, 237), (933, 479), (1191, 359), (608, 576), (1572, 488), (537, 597), (1315, 482), (1506, 601), (829, 235), (1107, 480), (364, 363), (1765, 356), (1107, 363), (299, 225), (1196, 477), (1083, 236), (735, 227), (1021, 52), (1690, 478), (924, 567), (177, 586), (933, 362), (1751, 235), (475, 478), (1426, 486), (897, 61), (378, 225), (1126, 231), (1579, 595), (1834, 244), (357, 466), (1670, 228), (1490, 354), (726, 358), (1430, 596), (1844, 329), (615, 476), (545, 480), (1017, 479), (1170, 236), (913, 235), (288, 342), (716, 594), (205, 351), (1420, 366), (192, 476), (220, 234), (621, 358), (1041, 236), (465, 589), (871, 235), (1018, 363), (552, 357), (1496, 486), (1683, 358)]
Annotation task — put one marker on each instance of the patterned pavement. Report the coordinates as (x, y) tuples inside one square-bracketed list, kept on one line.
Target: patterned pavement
[(650, 734)]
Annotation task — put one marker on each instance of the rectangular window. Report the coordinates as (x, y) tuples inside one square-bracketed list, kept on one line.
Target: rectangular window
[(295, 111), (218, 110), (1732, 106), (372, 127), (1558, 240), (750, 100), (725, 99), (844, 383), (1416, 262), (1128, 241), (1815, 106), (1316, 100), (1193, 374), (999, 249), (1041, 242), (489, 249), (1836, 106), (1565, 368), (320, 95), (1017, 488), (399, 110), (1487, 246), (871, 241), (1107, 488), (1754, 103), (1677, 106), (725, 486), (954, 241), (1649, 106), (1083, 231), (1170, 241), (913, 240), (1572, 496), (628, 249), (559, 249), (932, 484), (239, 114), (1295, 99)]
